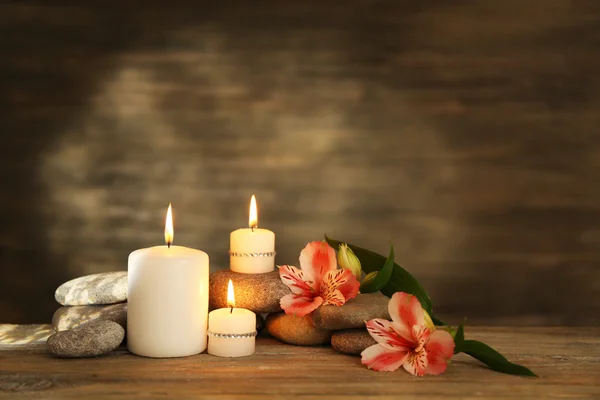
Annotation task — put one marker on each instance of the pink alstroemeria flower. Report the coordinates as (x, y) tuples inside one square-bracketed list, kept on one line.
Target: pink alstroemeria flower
[(407, 341), (318, 282)]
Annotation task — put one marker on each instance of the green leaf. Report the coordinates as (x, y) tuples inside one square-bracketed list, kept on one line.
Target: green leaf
[(493, 359), (400, 281), (378, 279), (437, 321), (459, 338)]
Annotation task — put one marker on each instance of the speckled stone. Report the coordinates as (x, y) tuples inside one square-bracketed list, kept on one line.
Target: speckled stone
[(354, 313), (351, 341), (92, 339), (69, 317), (104, 288), (296, 330), (256, 292)]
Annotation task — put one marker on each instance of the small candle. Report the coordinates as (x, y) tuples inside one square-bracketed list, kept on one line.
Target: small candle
[(252, 250), (167, 299), (231, 331)]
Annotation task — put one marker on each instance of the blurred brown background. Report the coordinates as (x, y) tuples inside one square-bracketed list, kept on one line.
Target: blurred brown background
[(464, 131)]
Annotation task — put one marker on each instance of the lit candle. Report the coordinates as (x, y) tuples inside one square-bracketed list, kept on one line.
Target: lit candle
[(252, 250), (167, 299), (231, 331)]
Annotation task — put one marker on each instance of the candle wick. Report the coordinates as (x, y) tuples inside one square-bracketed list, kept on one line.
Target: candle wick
[(253, 226), (168, 245), (231, 311)]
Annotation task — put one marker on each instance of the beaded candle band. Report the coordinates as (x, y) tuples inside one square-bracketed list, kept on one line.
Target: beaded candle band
[(238, 254), (232, 335)]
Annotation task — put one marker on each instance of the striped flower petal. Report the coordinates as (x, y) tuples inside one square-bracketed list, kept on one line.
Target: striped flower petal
[(379, 358)]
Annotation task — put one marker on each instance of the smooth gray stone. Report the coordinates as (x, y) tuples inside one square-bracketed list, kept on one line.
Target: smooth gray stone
[(351, 341), (354, 313), (69, 317), (296, 330), (104, 288), (260, 293), (92, 339)]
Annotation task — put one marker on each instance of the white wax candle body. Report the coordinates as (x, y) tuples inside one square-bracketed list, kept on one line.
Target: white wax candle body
[(247, 241), (224, 321), (167, 301)]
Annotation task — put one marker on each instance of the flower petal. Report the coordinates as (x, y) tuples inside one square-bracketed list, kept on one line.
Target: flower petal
[(416, 363), (296, 280), (406, 312), (339, 286), (379, 358), (440, 349), (299, 305), (421, 335), (334, 297), (349, 285), (316, 259), (383, 332)]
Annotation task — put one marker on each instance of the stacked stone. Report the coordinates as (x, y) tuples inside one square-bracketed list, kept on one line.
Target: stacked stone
[(343, 327), (259, 293), (93, 318), (348, 322)]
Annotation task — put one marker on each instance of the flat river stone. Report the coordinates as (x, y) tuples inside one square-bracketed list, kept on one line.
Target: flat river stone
[(69, 317), (296, 330), (256, 292), (92, 339), (351, 341), (354, 313), (104, 288)]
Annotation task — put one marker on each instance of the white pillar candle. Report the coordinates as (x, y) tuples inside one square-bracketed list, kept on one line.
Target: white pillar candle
[(167, 300), (252, 250), (231, 331)]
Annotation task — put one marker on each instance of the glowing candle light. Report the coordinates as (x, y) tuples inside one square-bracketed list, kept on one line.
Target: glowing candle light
[(231, 330), (169, 234), (167, 299), (252, 250)]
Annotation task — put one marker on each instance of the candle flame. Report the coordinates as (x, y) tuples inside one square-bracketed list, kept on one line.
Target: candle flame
[(230, 295), (169, 227), (253, 220)]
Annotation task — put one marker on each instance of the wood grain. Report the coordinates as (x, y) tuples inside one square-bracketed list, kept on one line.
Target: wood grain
[(466, 132), (567, 360)]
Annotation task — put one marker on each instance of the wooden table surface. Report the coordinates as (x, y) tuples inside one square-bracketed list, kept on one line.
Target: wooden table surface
[(566, 359)]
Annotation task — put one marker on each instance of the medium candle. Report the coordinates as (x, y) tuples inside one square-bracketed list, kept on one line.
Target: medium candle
[(167, 299), (231, 331), (252, 250)]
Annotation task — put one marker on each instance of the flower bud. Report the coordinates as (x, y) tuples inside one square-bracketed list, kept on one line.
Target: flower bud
[(348, 260), (428, 322), (451, 331)]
